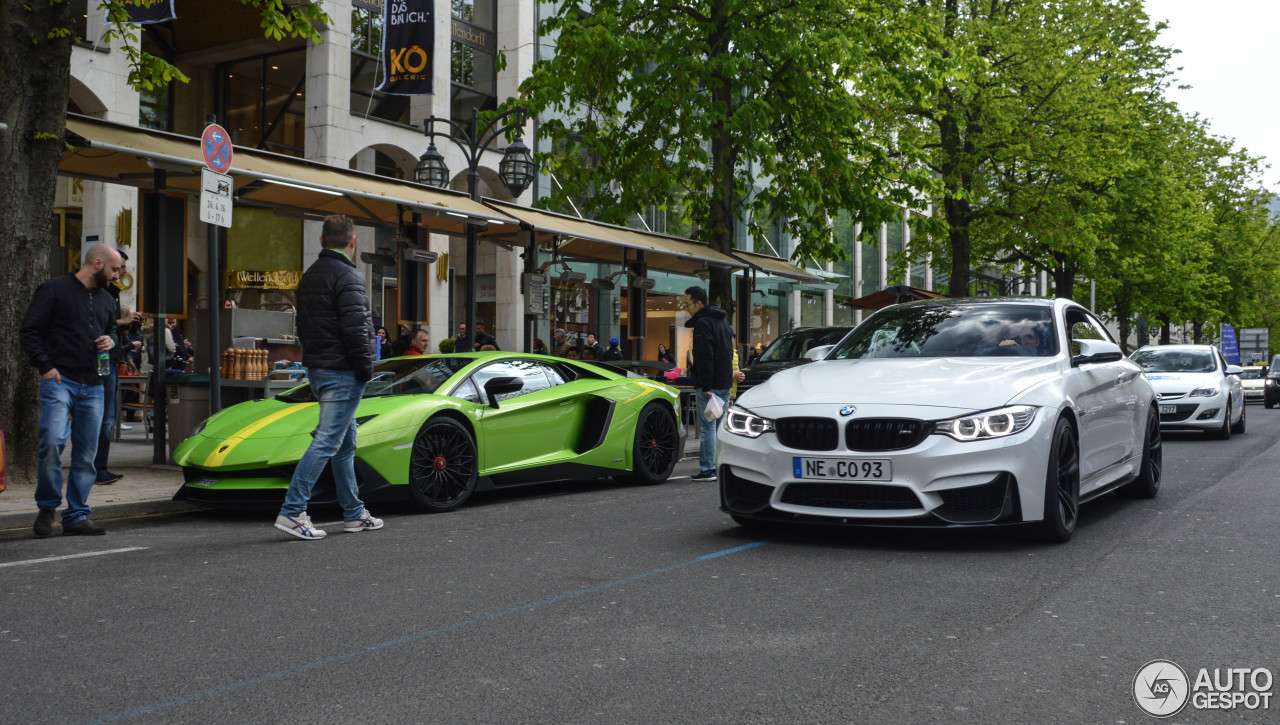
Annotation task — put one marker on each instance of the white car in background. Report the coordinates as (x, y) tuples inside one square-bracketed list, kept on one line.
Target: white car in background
[(950, 412), (1198, 389), (1253, 379)]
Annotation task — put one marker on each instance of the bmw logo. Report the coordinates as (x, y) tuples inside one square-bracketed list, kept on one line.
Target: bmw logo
[(847, 410)]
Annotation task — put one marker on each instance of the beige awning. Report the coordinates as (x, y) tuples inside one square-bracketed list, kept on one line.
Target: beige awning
[(597, 242), (775, 266), (118, 154)]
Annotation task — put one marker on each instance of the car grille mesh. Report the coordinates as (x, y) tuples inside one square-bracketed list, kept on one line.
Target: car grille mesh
[(885, 434), (808, 434), (850, 496)]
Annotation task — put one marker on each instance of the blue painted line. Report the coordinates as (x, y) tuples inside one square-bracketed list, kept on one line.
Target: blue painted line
[(147, 709)]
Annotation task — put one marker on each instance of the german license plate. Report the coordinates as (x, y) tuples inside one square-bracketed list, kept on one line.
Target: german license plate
[(1168, 409), (844, 469), (204, 483)]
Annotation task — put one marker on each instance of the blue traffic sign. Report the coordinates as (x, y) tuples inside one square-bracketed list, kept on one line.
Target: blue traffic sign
[(215, 145)]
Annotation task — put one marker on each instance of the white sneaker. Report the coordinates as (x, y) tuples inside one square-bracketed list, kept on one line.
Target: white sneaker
[(299, 526), (125, 426), (366, 522)]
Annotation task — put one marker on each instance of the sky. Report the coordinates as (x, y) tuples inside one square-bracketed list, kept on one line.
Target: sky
[(1231, 58)]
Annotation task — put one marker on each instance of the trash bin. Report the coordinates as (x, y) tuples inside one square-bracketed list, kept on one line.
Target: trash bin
[(188, 405)]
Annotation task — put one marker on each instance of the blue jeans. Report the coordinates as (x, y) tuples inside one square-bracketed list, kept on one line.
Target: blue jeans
[(110, 387), (66, 408), (707, 429), (334, 442)]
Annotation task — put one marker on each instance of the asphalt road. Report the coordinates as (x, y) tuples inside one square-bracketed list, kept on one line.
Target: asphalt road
[(598, 603)]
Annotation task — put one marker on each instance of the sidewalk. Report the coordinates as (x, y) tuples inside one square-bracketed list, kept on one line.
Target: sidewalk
[(143, 482), (131, 457)]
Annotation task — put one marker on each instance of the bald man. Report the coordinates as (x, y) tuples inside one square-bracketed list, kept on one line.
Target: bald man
[(69, 320)]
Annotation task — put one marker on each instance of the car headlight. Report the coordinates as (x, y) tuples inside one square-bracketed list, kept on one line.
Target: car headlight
[(1207, 391), (743, 422), (991, 424), (1271, 382)]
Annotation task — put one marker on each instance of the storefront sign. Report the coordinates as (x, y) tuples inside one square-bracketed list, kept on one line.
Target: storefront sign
[(474, 36), (408, 48), (255, 279), (486, 288)]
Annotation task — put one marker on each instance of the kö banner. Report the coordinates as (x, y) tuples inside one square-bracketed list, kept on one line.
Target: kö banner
[(408, 47)]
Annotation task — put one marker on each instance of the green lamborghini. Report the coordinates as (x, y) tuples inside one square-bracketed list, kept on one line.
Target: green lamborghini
[(437, 428)]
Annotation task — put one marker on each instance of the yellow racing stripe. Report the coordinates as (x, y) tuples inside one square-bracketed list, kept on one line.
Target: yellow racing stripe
[(224, 449)]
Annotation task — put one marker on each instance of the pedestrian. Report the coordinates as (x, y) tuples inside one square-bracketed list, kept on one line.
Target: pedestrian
[(384, 345), (712, 370), (561, 344), (614, 352), (336, 330), (588, 353), (756, 352), (596, 349), (738, 375), (67, 334), (229, 304), (124, 319), (484, 338), (420, 344), (540, 347), (666, 355), (571, 353)]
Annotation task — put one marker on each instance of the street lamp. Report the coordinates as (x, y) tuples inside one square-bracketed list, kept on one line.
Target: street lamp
[(516, 169)]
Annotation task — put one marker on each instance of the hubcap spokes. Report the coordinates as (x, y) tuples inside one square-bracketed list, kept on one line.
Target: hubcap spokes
[(1068, 482), (1155, 452), (442, 464)]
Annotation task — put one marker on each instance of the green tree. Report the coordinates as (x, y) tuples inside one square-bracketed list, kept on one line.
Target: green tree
[(35, 72), (751, 110)]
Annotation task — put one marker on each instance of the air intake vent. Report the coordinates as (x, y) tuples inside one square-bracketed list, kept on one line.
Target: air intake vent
[(808, 434), (885, 434)]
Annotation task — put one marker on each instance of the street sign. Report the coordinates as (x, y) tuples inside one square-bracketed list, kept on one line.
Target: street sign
[(215, 198), (421, 256), (215, 145)]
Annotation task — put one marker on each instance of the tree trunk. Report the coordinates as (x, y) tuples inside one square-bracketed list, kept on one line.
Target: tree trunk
[(35, 71), (1064, 280), (1197, 332), (1122, 319), (724, 162), (1165, 330)]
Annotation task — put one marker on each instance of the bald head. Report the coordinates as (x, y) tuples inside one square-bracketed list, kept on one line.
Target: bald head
[(101, 265)]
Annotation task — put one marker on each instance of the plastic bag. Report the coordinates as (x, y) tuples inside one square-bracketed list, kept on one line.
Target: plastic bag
[(714, 408)]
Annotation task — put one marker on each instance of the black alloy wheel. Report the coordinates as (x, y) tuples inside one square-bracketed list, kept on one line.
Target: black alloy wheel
[(1147, 484), (442, 466), (653, 455), (1062, 486)]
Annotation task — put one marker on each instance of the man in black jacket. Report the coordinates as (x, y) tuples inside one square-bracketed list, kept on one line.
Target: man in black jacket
[(336, 330), (69, 326), (712, 371)]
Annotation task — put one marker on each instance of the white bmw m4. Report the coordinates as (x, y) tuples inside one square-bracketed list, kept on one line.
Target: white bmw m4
[(950, 412)]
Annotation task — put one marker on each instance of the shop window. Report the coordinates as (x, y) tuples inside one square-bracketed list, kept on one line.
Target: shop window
[(472, 54), (366, 67), (264, 101)]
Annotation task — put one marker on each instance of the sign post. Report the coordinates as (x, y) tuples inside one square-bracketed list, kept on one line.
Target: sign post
[(215, 210)]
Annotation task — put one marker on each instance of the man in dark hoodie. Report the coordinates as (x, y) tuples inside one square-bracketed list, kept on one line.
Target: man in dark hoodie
[(336, 330), (712, 370)]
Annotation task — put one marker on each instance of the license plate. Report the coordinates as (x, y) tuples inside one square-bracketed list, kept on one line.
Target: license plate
[(204, 483), (844, 469), (1168, 409)]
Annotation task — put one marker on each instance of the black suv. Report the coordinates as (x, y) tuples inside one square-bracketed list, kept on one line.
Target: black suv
[(1271, 386), (787, 352)]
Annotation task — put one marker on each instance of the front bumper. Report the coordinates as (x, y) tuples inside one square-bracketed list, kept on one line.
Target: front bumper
[(266, 487), (938, 482), (1193, 413)]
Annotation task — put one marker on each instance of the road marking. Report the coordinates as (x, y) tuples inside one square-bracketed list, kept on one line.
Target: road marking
[(418, 636), (72, 556)]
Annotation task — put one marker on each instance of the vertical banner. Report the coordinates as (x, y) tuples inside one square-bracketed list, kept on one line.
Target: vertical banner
[(408, 42), (1230, 346)]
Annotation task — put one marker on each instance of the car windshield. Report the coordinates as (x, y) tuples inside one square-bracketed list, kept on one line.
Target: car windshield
[(953, 330), (1251, 374), (398, 376), (793, 345), (1175, 361)]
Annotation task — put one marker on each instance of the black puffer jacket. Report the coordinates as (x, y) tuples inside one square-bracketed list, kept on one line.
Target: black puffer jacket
[(712, 349), (333, 317)]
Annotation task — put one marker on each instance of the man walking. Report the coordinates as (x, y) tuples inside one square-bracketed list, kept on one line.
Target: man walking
[(68, 329), (712, 371), (336, 330)]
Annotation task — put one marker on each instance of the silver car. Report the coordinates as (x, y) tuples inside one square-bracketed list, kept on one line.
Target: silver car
[(1199, 389)]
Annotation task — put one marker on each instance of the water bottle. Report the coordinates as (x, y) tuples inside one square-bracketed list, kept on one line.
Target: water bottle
[(104, 363)]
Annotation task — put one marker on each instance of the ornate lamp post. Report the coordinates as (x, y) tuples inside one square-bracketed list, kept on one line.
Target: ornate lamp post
[(516, 169)]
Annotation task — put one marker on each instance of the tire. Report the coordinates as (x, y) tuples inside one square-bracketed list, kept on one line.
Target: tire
[(653, 449), (1239, 427), (1268, 404), (1061, 486), (443, 465), (1224, 433), (1147, 484)]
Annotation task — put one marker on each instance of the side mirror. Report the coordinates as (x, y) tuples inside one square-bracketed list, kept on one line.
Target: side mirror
[(818, 353), (1234, 369), (501, 386), (1094, 351)]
